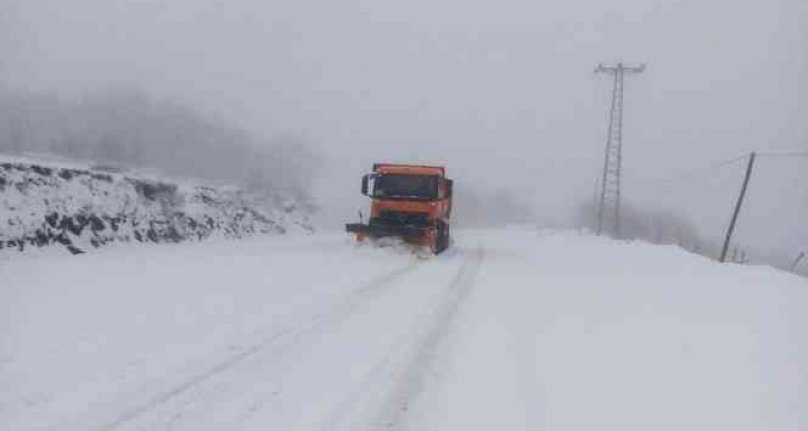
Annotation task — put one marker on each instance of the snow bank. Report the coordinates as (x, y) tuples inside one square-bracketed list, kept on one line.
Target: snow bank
[(79, 208)]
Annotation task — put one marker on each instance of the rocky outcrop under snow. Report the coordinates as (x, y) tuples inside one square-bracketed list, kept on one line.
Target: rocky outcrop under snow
[(80, 208)]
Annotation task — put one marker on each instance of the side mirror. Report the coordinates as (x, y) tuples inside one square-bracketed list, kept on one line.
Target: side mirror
[(449, 186), (365, 185)]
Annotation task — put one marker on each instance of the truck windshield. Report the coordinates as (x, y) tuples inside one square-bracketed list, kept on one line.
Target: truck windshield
[(400, 186)]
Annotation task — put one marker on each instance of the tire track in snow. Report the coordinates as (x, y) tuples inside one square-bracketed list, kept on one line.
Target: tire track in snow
[(407, 362), (410, 380), (340, 310)]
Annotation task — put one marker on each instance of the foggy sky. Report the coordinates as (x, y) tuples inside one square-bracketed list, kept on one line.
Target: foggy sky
[(500, 91)]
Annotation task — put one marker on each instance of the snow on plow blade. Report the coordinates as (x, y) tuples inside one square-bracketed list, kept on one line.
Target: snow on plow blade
[(380, 231)]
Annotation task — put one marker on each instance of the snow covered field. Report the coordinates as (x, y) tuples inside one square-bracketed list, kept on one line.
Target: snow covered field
[(512, 329)]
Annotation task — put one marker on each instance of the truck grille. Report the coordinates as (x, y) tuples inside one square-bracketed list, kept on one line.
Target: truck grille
[(399, 218)]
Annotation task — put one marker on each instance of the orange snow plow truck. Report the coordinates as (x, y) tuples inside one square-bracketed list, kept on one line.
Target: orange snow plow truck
[(411, 202)]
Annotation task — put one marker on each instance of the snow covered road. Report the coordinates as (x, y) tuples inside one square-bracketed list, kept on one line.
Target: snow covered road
[(512, 329)]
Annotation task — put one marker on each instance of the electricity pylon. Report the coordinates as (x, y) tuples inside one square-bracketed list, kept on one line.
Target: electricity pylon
[(609, 203)]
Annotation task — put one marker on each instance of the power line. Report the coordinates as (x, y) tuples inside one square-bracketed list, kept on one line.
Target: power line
[(723, 163), (794, 154), (693, 172)]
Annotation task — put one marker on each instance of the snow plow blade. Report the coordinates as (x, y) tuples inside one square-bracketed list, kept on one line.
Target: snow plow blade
[(381, 231)]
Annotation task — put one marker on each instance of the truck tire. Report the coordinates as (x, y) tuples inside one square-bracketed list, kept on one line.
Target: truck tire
[(443, 237)]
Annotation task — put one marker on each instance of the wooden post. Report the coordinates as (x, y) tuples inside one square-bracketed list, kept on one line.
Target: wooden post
[(738, 205)]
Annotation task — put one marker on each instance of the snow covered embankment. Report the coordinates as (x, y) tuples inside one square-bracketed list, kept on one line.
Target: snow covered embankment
[(79, 209)]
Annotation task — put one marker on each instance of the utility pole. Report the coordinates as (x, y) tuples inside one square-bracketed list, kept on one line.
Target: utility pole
[(738, 205), (797, 260), (609, 202)]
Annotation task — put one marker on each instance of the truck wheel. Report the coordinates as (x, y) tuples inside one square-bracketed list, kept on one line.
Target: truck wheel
[(442, 240)]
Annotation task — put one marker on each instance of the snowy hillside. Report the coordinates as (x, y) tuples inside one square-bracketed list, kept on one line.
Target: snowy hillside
[(78, 208), (511, 329)]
